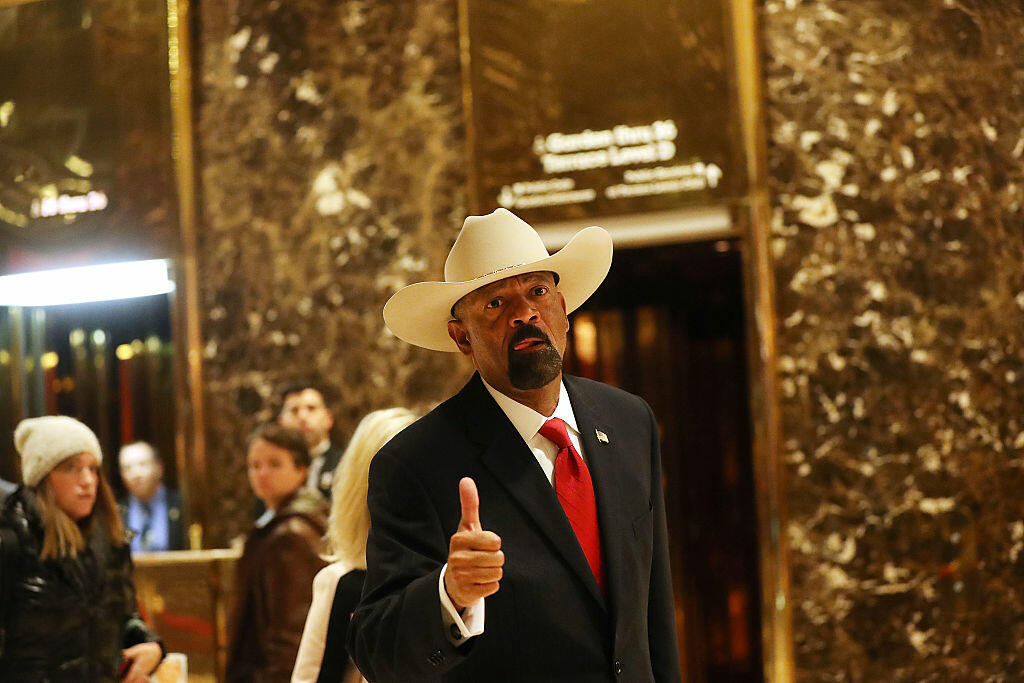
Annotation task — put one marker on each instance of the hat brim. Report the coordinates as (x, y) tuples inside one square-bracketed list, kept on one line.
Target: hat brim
[(419, 313)]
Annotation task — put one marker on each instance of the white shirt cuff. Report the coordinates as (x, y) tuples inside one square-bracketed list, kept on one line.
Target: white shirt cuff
[(458, 628)]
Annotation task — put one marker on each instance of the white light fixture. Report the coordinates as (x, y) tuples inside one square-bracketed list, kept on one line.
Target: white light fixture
[(86, 283)]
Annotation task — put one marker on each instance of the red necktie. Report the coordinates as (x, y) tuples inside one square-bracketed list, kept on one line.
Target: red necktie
[(575, 492)]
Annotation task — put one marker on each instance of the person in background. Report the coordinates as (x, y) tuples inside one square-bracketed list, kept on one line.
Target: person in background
[(151, 510), (322, 656), (280, 558), (68, 610), (303, 408)]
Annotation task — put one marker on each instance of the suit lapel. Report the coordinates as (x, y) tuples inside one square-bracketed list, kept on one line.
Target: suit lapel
[(607, 470), (512, 463)]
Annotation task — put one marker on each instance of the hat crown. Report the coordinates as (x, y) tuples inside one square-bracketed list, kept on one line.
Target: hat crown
[(43, 442), (488, 249), (492, 243)]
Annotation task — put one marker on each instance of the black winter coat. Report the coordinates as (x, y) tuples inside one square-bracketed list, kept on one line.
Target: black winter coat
[(68, 619)]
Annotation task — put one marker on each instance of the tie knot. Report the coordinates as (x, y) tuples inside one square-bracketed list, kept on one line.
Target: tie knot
[(554, 431)]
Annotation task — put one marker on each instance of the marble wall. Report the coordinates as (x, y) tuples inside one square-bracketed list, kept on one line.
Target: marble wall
[(331, 162), (896, 135)]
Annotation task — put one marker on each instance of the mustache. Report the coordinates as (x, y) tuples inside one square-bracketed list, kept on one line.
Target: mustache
[(525, 332)]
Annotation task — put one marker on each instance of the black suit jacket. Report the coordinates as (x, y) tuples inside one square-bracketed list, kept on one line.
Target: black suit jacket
[(332, 456), (548, 621)]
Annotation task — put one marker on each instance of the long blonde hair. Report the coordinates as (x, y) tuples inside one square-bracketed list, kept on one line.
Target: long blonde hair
[(349, 522), (62, 536)]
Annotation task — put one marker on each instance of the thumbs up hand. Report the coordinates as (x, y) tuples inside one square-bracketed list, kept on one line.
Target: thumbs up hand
[(475, 559)]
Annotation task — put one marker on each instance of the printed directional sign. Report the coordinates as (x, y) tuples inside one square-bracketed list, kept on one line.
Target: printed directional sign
[(582, 108)]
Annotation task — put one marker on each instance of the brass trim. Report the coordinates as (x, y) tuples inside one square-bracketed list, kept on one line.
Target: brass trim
[(190, 443), (649, 229), (467, 107), (753, 217), (15, 317), (184, 557), (7, 4)]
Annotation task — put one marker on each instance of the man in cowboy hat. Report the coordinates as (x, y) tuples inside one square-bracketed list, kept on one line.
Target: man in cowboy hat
[(518, 530)]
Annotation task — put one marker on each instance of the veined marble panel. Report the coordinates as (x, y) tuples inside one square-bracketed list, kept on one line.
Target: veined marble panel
[(896, 140), (331, 161)]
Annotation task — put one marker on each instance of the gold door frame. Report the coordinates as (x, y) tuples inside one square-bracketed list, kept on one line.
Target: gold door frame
[(189, 442), (751, 219)]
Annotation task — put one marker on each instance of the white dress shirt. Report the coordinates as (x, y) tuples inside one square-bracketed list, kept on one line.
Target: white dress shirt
[(316, 456), (527, 422)]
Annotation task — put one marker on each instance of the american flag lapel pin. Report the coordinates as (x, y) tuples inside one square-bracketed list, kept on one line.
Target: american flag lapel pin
[(601, 436)]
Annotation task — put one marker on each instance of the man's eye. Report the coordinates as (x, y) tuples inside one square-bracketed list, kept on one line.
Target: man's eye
[(540, 290), (493, 303)]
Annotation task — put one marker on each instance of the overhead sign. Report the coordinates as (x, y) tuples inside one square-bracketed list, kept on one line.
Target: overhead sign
[(86, 172), (600, 107)]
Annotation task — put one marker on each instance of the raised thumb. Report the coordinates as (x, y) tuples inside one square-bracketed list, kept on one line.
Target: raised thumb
[(470, 501)]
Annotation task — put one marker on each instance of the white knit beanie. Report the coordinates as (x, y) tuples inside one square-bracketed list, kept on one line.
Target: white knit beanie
[(44, 442)]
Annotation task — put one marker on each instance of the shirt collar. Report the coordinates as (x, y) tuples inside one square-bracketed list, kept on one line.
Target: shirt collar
[(265, 518), (154, 503), (319, 449), (528, 421)]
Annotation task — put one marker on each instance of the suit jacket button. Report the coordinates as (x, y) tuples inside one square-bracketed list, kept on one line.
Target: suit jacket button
[(454, 630), (618, 667)]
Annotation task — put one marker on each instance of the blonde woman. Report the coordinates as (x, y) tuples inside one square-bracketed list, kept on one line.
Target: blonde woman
[(68, 606), (322, 656)]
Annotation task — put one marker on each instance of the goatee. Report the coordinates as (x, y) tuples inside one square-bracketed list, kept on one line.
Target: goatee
[(532, 369)]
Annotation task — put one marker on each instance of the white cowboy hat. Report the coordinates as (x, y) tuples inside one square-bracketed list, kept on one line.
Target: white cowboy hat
[(490, 248)]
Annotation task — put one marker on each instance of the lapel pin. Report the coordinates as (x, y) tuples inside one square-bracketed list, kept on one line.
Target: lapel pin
[(601, 436)]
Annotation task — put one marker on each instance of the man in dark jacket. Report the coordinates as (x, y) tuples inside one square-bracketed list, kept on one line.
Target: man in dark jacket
[(303, 407), (151, 510), (281, 556), (537, 494)]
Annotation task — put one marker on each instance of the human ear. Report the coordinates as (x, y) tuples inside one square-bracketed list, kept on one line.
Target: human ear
[(457, 331)]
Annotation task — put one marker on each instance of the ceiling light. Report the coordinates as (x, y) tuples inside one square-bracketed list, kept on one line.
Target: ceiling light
[(86, 283)]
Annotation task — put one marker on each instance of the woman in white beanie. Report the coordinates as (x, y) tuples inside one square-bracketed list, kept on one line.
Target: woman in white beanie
[(322, 656), (68, 609)]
